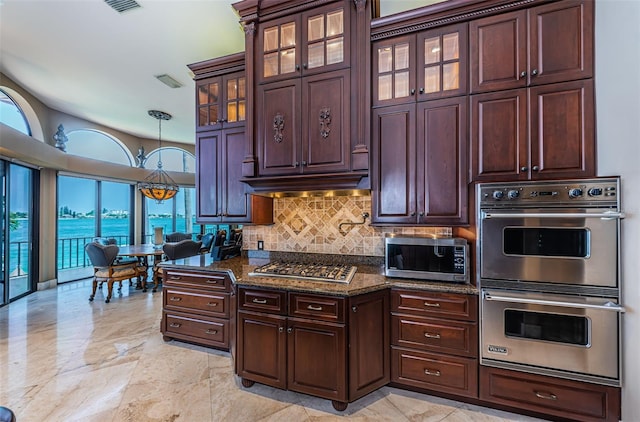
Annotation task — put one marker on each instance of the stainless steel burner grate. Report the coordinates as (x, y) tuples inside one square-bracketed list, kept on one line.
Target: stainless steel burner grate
[(317, 272)]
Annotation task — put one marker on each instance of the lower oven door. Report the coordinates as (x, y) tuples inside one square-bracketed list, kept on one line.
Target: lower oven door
[(573, 337)]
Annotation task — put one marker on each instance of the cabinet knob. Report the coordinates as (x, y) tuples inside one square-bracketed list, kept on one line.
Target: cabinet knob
[(535, 168), (281, 329), (421, 214), (304, 163), (524, 168), (413, 91), (413, 214), (354, 308), (534, 72), (296, 164), (223, 120), (289, 330), (304, 66), (297, 67), (523, 74), (421, 91)]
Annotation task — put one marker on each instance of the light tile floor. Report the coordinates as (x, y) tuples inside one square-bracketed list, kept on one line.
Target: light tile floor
[(63, 358)]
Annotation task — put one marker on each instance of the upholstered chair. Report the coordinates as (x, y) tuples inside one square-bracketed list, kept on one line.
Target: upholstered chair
[(176, 250), (105, 268), (207, 240), (177, 237)]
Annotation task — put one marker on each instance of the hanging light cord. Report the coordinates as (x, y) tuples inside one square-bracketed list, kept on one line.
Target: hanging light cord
[(159, 143)]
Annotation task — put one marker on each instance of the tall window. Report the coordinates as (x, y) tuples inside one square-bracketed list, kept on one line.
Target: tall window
[(102, 210), (11, 114), (174, 215)]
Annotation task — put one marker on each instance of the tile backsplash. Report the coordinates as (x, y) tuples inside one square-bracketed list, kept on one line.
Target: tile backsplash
[(312, 225)]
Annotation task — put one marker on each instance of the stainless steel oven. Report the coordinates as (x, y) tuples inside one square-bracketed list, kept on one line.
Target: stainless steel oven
[(549, 276)]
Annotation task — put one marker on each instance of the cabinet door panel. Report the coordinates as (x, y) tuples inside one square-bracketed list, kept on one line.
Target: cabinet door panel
[(499, 149), (317, 359), (442, 153), (498, 52), (561, 41), (326, 129), (562, 131), (278, 127), (207, 162), (394, 157), (262, 355), (232, 189), (394, 70)]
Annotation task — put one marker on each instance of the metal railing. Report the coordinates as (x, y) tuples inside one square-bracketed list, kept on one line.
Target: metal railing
[(71, 252)]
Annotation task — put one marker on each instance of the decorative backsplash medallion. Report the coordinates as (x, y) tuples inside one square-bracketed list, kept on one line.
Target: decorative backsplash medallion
[(312, 225)]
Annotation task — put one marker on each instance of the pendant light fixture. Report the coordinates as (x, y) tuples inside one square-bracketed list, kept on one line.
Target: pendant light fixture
[(159, 185)]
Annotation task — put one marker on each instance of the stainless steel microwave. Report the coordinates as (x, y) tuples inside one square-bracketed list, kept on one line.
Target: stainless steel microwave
[(425, 258)]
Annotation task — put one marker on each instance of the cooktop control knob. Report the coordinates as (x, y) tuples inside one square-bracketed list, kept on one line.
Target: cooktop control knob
[(575, 193), (594, 192), (513, 194), (498, 194)]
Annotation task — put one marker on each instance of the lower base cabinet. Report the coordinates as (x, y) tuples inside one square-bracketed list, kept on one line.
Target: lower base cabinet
[(326, 346), (566, 399)]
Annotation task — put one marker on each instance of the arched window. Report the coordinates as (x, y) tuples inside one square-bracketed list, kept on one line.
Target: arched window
[(11, 114), (173, 159), (99, 146)]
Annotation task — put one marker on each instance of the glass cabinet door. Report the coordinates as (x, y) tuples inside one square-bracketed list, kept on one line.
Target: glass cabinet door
[(442, 62), (234, 99), (394, 71), (325, 38), (279, 48), (209, 113)]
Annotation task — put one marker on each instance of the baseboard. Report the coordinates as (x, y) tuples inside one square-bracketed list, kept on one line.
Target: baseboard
[(47, 284)]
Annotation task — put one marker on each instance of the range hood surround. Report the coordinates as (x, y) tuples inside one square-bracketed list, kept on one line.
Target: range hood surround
[(354, 183)]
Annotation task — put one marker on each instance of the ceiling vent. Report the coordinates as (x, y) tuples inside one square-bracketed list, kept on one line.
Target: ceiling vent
[(168, 81), (122, 5)]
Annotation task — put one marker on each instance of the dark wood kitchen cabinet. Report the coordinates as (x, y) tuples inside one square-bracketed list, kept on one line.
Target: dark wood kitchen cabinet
[(220, 145), (331, 347), (560, 398), (307, 98), (420, 170), (540, 45), (198, 307), (434, 342)]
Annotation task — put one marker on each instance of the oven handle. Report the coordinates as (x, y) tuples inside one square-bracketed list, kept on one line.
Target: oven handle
[(608, 306), (607, 215)]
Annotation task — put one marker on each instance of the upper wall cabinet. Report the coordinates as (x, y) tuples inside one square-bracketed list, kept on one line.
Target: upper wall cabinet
[(308, 99), (545, 44), (426, 66), (221, 101)]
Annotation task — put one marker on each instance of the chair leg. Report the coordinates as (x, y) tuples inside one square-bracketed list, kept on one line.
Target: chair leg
[(156, 281), (110, 290), (95, 286)]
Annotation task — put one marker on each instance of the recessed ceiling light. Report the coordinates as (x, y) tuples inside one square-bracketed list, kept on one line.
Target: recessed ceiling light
[(168, 81)]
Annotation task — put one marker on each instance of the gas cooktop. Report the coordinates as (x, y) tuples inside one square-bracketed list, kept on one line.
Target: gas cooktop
[(306, 271)]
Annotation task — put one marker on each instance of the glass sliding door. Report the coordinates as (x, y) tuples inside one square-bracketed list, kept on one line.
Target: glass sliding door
[(3, 232), (115, 217)]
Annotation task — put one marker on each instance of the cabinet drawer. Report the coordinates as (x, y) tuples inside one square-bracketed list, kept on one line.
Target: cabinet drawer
[(559, 397), (328, 308), (447, 305), (210, 281), (272, 301), (214, 304), (447, 374), (436, 335), (210, 331)]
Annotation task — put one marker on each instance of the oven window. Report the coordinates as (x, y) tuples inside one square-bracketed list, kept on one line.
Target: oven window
[(538, 241), (558, 328)]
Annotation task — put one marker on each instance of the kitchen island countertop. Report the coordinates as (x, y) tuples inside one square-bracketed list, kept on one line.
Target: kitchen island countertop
[(368, 278)]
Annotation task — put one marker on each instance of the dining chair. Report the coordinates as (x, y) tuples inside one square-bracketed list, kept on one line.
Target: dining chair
[(105, 268), (176, 250), (207, 240)]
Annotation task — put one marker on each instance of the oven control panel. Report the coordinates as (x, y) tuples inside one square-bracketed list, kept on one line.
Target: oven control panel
[(578, 192)]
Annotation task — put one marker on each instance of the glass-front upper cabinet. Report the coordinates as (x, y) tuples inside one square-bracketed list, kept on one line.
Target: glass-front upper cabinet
[(221, 101), (429, 65), (315, 41)]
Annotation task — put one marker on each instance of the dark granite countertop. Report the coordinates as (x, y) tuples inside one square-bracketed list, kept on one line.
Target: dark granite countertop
[(368, 277)]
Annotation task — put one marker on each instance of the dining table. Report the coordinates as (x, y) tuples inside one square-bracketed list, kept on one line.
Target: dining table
[(142, 253)]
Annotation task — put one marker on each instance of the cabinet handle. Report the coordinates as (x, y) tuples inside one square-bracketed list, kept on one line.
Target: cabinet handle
[(211, 332), (289, 330), (545, 395), (260, 301), (212, 304), (523, 74), (432, 305), (534, 72), (175, 277), (430, 335), (174, 325), (524, 168), (435, 373), (413, 91), (421, 91), (212, 281), (175, 299), (535, 168), (354, 308), (314, 308)]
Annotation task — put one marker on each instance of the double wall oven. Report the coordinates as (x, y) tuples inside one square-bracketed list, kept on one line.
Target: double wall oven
[(549, 275)]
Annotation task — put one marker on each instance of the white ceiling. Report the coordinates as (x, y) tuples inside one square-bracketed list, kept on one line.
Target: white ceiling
[(83, 58)]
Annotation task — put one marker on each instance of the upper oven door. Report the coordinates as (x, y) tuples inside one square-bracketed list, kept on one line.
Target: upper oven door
[(569, 247)]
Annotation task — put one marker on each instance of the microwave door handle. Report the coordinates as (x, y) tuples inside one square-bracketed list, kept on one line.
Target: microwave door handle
[(607, 215), (609, 306)]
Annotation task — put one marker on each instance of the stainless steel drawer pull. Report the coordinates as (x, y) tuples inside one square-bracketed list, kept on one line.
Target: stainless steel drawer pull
[(431, 335), (545, 395), (314, 308), (212, 281), (174, 325), (211, 332), (260, 301), (175, 299), (175, 277), (212, 304), (432, 373), (432, 305)]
